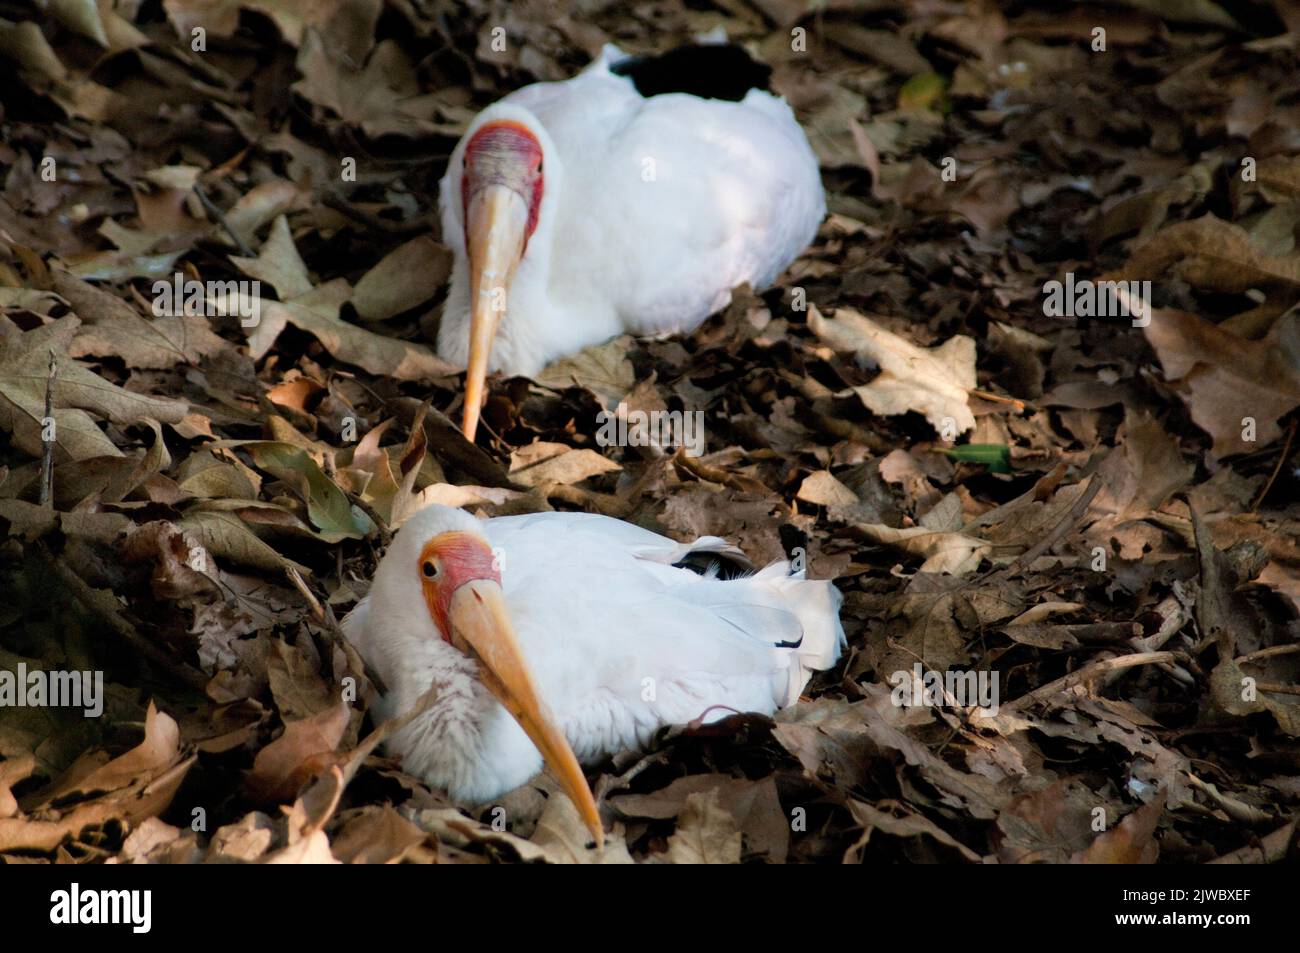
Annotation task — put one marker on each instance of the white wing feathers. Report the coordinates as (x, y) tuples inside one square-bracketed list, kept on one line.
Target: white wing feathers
[(609, 591), (781, 609)]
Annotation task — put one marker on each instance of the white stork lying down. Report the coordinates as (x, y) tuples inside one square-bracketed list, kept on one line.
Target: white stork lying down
[(567, 636), (581, 210)]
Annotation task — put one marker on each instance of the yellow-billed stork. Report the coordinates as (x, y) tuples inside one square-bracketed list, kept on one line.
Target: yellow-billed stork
[(565, 637), (580, 210)]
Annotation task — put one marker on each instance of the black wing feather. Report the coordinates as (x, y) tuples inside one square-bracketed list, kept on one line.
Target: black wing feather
[(707, 71)]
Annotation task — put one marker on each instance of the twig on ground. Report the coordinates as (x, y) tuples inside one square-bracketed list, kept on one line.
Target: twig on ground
[(417, 226), (1277, 468), (220, 217), (1085, 674), (1268, 653)]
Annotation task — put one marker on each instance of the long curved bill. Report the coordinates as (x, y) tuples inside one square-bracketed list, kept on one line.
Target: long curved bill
[(479, 618), (496, 223)]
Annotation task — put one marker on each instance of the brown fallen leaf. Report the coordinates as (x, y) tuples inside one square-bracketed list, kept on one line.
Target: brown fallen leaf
[(378, 836), (754, 806), (305, 749), (407, 276), (823, 489), (1235, 388), (913, 825), (159, 750), (1132, 841), (247, 839), (933, 382), (706, 833), (156, 842), (541, 463), (944, 552), (24, 370), (1144, 469), (139, 784), (1208, 253), (604, 370), (112, 328), (564, 839)]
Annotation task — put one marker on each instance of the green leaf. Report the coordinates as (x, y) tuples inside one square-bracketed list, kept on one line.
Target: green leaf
[(328, 507), (924, 92), (995, 456)]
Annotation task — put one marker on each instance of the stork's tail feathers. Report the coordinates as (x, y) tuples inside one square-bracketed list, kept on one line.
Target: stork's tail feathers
[(816, 603)]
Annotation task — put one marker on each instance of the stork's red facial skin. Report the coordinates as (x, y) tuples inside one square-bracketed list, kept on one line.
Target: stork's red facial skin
[(447, 562), (504, 153)]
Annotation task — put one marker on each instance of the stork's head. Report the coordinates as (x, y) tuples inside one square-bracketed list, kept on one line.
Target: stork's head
[(441, 553), (501, 198)]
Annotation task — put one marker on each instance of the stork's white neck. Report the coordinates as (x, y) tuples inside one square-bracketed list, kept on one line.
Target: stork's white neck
[(466, 743)]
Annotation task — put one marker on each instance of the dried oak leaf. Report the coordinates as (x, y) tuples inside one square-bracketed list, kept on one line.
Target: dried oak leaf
[(706, 833), (112, 328), (315, 309), (564, 839), (604, 370), (753, 804), (1209, 253), (933, 382), (377, 836), (540, 463)]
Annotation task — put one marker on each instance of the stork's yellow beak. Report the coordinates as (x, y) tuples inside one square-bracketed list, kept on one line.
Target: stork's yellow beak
[(496, 224), (478, 618)]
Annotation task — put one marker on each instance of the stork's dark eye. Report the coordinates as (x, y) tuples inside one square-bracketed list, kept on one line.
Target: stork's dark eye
[(430, 569)]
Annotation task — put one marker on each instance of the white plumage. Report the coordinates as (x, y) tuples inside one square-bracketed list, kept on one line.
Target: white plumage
[(619, 642), (651, 210)]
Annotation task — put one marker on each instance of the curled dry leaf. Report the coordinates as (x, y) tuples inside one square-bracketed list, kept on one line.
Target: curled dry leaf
[(130, 788), (305, 750)]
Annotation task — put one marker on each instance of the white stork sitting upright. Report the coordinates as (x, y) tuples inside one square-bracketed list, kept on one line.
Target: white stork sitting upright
[(562, 637), (580, 210)]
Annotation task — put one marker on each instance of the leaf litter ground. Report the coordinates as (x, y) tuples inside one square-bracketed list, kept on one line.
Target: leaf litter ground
[(1114, 534)]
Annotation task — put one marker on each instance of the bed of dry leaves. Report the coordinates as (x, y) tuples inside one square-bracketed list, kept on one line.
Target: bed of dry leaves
[(1115, 551)]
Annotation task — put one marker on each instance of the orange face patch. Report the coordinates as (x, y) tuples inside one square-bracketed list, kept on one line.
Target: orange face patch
[(447, 562)]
